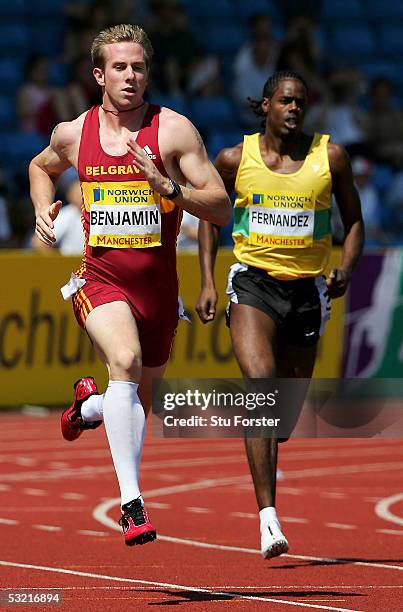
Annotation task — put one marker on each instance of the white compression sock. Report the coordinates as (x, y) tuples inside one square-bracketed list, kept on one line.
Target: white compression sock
[(124, 422), (92, 408)]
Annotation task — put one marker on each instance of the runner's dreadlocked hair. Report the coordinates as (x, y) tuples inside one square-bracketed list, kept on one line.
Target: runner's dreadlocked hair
[(270, 87)]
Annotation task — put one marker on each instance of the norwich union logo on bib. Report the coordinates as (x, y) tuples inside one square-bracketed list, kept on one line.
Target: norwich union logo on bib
[(281, 219), (123, 215)]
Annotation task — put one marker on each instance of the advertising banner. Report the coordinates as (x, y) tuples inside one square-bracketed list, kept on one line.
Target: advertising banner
[(43, 350)]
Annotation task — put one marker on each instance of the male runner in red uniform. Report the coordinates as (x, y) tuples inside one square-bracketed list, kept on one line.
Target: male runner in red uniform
[(134, 160)]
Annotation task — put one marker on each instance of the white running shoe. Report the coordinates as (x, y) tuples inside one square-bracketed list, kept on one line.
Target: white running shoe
[(273, 542)]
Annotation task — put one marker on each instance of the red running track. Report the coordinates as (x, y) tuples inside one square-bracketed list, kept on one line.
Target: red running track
[(340, 501)]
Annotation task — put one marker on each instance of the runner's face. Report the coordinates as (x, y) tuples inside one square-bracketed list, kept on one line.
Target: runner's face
[(124, 75), (286, 109)]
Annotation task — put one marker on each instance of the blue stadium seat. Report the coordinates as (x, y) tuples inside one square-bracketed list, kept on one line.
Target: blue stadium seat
[(14, 39), (11, 73), (16, 8), (382, 177), (222, 38), (391, 38), (337, 10), (20, 147), (47, 37), (8, 119), (177, 104), (247, 9), (216, 10), (379, 9), (353, 41), (213, 113), (376, 67), (47, 8), (58, 73), (220, 139)]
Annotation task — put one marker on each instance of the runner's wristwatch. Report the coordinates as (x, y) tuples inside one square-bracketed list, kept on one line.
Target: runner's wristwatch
[(176, 190)]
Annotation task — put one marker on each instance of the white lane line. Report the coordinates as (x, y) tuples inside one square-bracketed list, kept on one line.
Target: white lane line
[(172, 586), (59, 464), (345, 469), (289, 490), (47, 527), (73, 496), (382, 509), (158, 505), (25, 461), (247, 515), (345, 453), (285, 519), (195, 486), (100, 514), (197, 510), (91, 471), (83, 472), (169, 477), (30, 509), (4, 487), (5, 521), (90, 532), (333, 495), (195, 461), (340, 526), (35, 492), (257, 552), (390, 531), (243, 587), (214, 586)]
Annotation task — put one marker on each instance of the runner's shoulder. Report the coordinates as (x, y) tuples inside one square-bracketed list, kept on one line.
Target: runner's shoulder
[(67, 133), (230, 157), (338, 157)]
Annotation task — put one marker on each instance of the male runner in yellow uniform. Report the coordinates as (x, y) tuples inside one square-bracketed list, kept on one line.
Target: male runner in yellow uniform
[(284, 180)]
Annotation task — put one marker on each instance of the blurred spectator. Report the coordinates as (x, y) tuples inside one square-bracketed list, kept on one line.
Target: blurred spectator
[(301, 52), (385, 123), (340, 114), (372, 211), (5, 226), (370, 204), (295, 8), (21, 213), (132, 11), (80, 93), (394, 208), (35, 99), (254, 62), (205, 77), (83, 25), (187, 237), (68, 227), (175, 49)]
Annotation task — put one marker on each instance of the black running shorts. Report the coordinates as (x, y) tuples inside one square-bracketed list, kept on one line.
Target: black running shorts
[(300, 308)]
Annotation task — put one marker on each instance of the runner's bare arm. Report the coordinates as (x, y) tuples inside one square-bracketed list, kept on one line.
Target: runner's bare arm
[(44, 170), (185, 156), (348, 202), (227, 163)]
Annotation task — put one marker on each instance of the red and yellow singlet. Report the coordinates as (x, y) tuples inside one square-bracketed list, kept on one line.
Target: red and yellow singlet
[(130, 236)]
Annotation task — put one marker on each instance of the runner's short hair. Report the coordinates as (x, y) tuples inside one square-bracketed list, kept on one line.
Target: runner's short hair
[(116, 34), (271, 85)]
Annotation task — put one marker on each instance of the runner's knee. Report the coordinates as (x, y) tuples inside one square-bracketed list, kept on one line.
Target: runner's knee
[(126, 364)]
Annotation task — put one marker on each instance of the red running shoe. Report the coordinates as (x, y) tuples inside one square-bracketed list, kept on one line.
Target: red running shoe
[(72, 423), (136, 525)]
